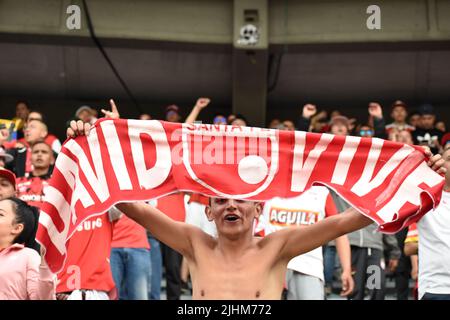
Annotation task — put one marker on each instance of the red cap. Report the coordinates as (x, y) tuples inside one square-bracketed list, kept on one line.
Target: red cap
[(9, 175)]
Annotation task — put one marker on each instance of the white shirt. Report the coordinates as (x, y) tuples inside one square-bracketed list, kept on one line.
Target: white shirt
[(434, 249), (195, 215), (305, 209)]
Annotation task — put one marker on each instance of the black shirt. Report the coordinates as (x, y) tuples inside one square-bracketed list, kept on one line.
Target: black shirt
[(430, 138)]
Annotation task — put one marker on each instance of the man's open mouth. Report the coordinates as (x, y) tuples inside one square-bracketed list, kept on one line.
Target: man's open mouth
[(231, 217)]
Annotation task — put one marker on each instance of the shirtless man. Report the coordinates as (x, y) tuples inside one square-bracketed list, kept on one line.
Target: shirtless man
[(237, 265)]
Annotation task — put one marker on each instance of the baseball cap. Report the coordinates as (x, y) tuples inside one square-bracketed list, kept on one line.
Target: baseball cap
[(399, 103), (7, 156), (173, 108), (426, 109), (9, 175)]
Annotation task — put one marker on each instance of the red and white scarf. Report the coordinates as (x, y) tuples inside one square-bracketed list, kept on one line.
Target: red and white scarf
[(132, 160)]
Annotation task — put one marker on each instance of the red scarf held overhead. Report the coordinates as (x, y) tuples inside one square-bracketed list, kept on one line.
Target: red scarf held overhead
[(125, 160)]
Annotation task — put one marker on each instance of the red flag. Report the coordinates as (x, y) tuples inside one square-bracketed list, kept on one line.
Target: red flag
[(130, 160)]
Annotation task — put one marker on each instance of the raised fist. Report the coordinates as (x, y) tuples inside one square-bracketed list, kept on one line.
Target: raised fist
[(202, 102), (309, 110), (375, 110)]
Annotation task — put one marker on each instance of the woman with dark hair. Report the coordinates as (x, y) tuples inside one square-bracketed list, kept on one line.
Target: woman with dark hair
[(23, 274)]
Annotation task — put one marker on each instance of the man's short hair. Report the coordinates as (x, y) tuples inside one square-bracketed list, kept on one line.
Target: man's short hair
[(41, 122), (43, 142)]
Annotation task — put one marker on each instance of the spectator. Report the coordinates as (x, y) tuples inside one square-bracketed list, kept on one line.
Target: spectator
[(23, 274), (199, 106), (172, 205), (22, 111), (195, 214), (366, 131), (427, 134), (35, 130), (289, 125), (7, 184), (414, 119), (445, 141), (145, 116), (50, 139), (130, 260), (239, 121), (403, 271), (399, 113), (230, 118), (173, 113), (367, 250), (154, 292), (87, 271), (305, 277), (274, 123), (340, 126), (403, 136), (440, 125), (412, 238), (220, 119), (85, 114), (305, 121), (366, 244), (433, 246), (377, 120), (32, 187)]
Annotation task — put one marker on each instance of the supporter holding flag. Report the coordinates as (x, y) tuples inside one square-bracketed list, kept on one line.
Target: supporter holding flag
[(432, 245), (87, 272), (235, 248)]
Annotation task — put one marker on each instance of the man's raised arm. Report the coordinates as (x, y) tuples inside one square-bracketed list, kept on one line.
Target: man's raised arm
[(298, 240), (175, 234)]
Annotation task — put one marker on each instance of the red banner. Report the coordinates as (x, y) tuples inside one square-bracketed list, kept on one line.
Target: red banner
[(131, 160)]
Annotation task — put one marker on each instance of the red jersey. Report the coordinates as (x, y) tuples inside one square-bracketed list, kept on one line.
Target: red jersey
[(173, 206), (129, 234), (88, 252), (32, 189)]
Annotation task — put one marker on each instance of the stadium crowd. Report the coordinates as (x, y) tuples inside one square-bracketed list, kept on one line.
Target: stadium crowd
[(112, 257)]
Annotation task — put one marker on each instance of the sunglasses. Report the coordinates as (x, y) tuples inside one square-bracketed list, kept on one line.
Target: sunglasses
[(366, 132), (219, 119)]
